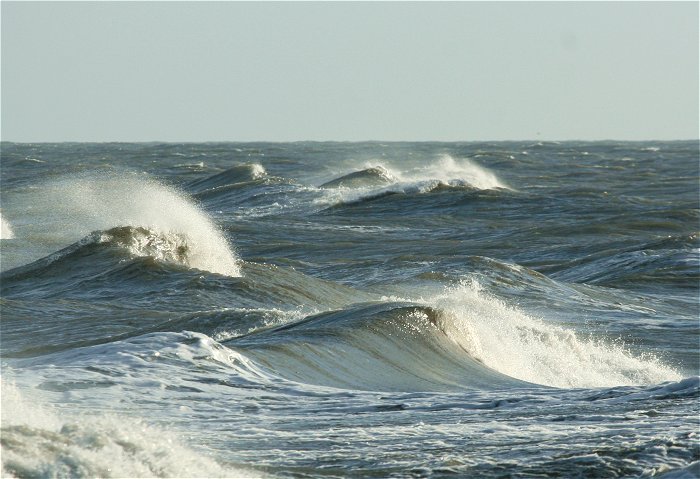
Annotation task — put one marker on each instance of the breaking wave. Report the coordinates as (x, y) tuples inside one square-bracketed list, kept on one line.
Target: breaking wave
[(376, 180), (157, 220), (462, 338)]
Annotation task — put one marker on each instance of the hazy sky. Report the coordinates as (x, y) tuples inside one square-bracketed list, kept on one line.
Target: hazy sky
[(195, 71)]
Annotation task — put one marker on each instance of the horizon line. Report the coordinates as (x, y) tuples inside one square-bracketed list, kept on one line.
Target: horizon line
[(354, 141)]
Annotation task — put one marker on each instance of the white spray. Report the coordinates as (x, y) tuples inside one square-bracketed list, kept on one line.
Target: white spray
[(528, 348), (64, 211)]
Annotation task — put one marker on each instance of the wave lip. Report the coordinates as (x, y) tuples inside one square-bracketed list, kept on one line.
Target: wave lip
[(531, 349)]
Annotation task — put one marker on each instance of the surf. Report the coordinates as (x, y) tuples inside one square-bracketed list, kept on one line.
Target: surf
[(40, 441)]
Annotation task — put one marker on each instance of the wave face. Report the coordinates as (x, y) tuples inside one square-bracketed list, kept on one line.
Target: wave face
[(401, 309)]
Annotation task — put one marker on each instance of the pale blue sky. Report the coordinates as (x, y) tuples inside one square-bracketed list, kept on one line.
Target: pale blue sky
[(195, 71)]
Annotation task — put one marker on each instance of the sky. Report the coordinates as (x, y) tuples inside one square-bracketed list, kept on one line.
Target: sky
[(414, 71)]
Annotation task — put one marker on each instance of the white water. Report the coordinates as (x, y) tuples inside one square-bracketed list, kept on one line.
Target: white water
[(5, 229), (448, 170), (45, 443), (524, 347), (445, 170), (65, 211)]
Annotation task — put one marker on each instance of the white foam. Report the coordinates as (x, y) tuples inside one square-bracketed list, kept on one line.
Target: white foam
[(66, 210), (5, 229), (38, 442), (528, 348)]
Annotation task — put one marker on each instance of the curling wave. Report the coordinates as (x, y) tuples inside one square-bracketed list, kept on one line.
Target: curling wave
[(463, 338)]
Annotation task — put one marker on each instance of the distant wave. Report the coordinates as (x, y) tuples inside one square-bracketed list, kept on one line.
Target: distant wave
[(163, 222), (377, 180), (236, 174), (374, 176)]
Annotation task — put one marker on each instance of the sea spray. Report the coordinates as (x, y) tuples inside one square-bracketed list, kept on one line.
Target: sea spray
[(161, 219), (449, 170), (376, 178), (514, 343)]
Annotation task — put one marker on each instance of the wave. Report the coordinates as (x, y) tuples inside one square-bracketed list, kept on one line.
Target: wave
[(137, 242), (163, 222), (382, 347), (462, 338), (671, 260), (374, 176), (380, 180), (86, 279), (5, 229), (236, 174), (38, 441)]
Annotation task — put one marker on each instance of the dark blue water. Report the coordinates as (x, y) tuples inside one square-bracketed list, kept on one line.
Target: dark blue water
[(350, 309)]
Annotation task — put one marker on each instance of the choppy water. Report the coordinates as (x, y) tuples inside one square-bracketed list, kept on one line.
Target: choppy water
[(350, 310)]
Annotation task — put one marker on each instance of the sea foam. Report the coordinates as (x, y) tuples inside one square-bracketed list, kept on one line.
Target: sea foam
[(38, 442)]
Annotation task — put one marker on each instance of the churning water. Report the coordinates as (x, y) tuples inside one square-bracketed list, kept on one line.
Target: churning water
[(350, 309)]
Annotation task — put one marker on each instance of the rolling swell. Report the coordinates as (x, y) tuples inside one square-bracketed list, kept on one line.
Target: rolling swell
[(237, 174), (94, 275), (670, 261), (374, 176)]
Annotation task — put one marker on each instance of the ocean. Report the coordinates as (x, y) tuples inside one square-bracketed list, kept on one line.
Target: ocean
[(313, 309)]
